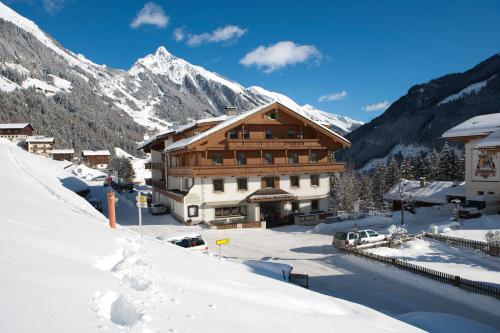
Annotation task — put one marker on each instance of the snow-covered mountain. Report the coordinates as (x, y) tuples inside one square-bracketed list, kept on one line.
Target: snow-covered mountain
[(416, 121), (84, 104)]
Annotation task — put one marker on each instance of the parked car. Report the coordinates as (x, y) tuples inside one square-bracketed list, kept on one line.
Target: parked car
[(194, 242), (158, 208), (122, 186), (342, 239), (96, 203), (99, 178)]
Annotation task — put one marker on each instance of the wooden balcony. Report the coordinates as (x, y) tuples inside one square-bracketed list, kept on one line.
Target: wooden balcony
[(160, 184), (157, 166), (247, 170), (147, 166), (274, 144)]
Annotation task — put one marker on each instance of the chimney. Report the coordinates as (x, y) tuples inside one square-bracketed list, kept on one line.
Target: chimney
[(230, 110), (422, 182)]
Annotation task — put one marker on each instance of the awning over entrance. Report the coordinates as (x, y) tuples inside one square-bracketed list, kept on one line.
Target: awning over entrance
[(270, 194)]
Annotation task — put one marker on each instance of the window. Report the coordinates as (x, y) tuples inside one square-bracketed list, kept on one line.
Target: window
[(242, 184), (193, 211), (186, 184), (268, 181), (217, 159), (363, 234), (269, 134), (491, 193), (294, 181), (268, 158), (372, 233), (218, 185), (230, 211), (246, 134), (295, 206), (293, 158), (480, 192), (233, 134), (273, 115), (241, 159), (314, 205), (292, 134), (314, 180), (313, 157)]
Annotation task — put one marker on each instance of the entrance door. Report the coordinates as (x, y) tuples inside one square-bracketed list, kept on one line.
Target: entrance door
[(271, 213)]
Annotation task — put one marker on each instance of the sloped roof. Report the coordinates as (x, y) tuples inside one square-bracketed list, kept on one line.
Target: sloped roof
[(62, 151), (194, 123), (475, 126), (39, 139), (433, 192), (270, 194), (152, 138), (96, 153), (234, 119), (491, 141), (14, 125)]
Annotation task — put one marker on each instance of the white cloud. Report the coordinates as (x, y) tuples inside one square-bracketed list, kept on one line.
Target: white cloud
[(336, 96), (151, 14), (376, 107), (179, 34), (279, 55), (229, 33), (54, 6)]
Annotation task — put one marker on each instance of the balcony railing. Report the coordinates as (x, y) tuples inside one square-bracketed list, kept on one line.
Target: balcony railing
[(273, 143), (147, 166), (157, 166), (160, 184), (240, 170)]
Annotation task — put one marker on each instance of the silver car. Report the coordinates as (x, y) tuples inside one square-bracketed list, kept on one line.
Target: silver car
[(158, 208)]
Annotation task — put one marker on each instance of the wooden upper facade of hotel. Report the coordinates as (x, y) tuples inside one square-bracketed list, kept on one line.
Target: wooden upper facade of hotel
[(270, 140)]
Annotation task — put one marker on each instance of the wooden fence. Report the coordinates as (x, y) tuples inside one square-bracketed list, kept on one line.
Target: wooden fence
[(487, 248), (477, 287)]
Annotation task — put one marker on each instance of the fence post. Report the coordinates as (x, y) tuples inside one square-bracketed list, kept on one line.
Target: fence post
[(456, 282)]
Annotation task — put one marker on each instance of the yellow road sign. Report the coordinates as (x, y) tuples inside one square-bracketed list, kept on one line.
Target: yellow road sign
[(141, 198), (224, 241)]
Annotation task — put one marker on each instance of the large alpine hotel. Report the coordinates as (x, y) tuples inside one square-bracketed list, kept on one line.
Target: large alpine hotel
[(269, 164)]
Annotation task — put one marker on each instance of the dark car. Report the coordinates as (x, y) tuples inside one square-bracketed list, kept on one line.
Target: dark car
[(122, 186), (96, 203)]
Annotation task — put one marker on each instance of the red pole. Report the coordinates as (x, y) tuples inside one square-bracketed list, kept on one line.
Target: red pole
[(111, 209)]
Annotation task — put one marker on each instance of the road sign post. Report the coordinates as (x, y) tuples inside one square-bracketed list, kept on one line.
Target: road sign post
[(220, 242), (142, 202)]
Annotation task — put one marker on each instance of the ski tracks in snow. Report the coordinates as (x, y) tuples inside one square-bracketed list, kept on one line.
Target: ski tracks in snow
[(140, 299)]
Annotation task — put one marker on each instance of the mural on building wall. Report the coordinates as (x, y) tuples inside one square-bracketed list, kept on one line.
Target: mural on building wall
[(485, 166)]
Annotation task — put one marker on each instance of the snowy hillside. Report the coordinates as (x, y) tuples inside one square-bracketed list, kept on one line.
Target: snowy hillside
[(158, 88), (65, 270)]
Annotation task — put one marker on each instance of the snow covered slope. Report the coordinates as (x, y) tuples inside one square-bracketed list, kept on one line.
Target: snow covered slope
[(65, 270)]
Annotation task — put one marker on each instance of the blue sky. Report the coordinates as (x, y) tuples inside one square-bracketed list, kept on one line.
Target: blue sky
[(359, 53)]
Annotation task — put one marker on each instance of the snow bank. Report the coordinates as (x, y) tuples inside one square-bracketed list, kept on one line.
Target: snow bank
[(444, 322), (65, 270), (85, 172)]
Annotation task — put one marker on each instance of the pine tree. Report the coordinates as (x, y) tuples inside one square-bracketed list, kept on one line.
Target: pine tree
[(336, 190), (407, 169), (379, 186), (123, 168), (448, 164), (433, 165), (392, 173), (365, 192)]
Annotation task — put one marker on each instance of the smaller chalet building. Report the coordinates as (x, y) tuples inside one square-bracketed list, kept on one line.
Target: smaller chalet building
[(270, 164), (16, 131), (39, 145), (62, 154), (96, 159), (481, 136)]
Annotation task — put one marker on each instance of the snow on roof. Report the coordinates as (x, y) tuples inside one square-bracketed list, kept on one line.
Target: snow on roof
[(14, 126), (62, 151), (433, 192), (95, 152), (476, 126), (152, 138), (230, 120), (491, 141), (200, 121), (39, 139)]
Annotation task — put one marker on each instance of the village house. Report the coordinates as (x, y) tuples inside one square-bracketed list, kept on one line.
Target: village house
[(16, 131), (39, 145), (96, 159), (269, 164), (481, 136), (62, 154)]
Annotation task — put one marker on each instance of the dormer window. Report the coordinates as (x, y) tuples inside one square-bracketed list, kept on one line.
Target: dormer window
[(233, 134), (273, 115)]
